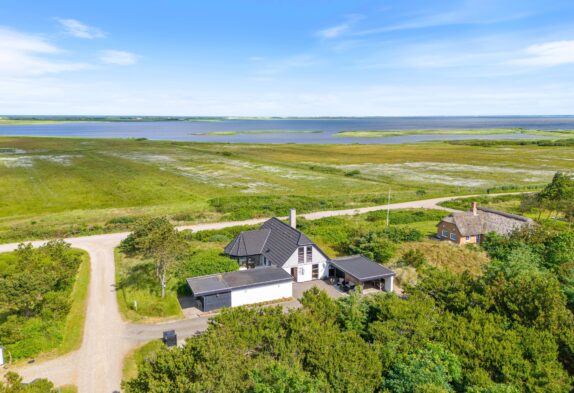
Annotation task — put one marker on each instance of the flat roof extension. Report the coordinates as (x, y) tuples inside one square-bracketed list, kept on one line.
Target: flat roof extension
[(362, 268), (226, 282)]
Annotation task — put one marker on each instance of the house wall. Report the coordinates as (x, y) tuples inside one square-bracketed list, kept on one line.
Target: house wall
[(451, 228), (260, 294), (306, 269)]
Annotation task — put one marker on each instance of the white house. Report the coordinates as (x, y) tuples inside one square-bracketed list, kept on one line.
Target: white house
[(283, 245), (274, 256)]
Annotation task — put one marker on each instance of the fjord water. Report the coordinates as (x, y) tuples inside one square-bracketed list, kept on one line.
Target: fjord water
[(188, 130)]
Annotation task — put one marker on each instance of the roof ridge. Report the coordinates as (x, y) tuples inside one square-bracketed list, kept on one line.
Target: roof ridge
[(504, 214)]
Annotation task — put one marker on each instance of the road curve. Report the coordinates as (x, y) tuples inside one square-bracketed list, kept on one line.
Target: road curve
[(97, 366)]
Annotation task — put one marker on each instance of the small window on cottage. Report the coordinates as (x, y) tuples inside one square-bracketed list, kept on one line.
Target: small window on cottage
[(444, 233), (309, 254), (301, 255), (468, 238), (478, 238), (453, 236)]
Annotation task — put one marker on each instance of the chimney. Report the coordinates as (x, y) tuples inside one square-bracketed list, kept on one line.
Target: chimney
[(474, 209), (293, 218)]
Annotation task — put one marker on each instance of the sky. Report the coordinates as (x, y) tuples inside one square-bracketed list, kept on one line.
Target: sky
[(287, 58)]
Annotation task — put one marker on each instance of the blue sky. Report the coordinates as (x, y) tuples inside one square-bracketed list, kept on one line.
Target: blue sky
[(287, 58)]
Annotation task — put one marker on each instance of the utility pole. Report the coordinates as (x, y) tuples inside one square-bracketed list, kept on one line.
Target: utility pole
[(388, 207)]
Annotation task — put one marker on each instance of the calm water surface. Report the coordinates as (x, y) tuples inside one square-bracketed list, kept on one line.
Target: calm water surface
[(183, 131)]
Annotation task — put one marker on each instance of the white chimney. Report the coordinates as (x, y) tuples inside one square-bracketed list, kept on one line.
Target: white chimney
[(293, 218), (475, 208)]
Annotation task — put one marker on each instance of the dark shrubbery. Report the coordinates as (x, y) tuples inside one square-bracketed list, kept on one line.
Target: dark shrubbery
[(35, 287), (406, 216), (246, 207)]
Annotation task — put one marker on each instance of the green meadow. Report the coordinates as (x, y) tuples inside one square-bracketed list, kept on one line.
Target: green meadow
[(54, 187)]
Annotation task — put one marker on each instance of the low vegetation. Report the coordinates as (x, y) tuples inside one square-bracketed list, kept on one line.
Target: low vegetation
[(43, 294), (496, 131), (12, 383), (48, 183), (257, 132)]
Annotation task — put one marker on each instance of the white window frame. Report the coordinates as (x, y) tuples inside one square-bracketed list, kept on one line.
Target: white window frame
[(453, 236), (301, 255), (309, 254), (444, 233)]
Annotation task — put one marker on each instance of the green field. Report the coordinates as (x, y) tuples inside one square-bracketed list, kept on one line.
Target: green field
[(257, 132), (70, 186), (494, 131)]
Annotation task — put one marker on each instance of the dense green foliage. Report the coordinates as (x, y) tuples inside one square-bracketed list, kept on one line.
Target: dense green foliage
[(35, 288), (13, 384), (448, 335), (250, 206)]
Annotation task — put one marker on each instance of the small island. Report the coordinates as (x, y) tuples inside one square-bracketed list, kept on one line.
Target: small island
[(255, 132), (492, 131)]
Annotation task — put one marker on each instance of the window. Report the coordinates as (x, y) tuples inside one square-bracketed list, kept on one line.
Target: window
[(468, 238), (315, 272), (444, 233), (301, 255), (478, 238), (309, 254), (453, 236)]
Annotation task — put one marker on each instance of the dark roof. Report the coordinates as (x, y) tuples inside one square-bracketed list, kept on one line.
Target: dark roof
[(362, 268), (487, 220), (225, 282), (275, 240), (248, 243)]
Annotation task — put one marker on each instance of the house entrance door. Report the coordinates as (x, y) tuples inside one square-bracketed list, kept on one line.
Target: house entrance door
[(294, 272)]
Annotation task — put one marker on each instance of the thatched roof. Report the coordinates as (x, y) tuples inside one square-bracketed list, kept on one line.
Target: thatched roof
[(487, 220)]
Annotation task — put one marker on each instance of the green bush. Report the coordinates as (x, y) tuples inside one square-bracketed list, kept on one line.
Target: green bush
[(406, 216), (246, 207), (35, 290)]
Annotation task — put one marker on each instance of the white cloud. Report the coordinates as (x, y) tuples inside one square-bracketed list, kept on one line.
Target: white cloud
[(80, 30), (548, 54), (27, 54), (340, 29), (118, 57)]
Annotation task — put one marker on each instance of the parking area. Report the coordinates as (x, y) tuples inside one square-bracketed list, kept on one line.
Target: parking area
[(300, 287)]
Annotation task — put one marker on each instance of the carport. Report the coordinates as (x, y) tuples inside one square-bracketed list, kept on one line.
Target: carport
[(360, 270), (241, 287)]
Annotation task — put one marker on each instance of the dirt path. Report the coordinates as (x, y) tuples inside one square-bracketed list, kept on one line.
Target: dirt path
[(97, 365)]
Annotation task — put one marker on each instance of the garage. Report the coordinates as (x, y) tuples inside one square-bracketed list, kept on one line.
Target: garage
[(348, 272), (240, 288)]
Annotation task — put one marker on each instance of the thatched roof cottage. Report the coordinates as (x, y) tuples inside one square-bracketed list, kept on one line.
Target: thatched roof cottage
[(472, 226)]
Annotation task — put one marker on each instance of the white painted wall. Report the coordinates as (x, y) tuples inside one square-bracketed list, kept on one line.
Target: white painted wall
[(306, 269), (264, 293), (389, 287)]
